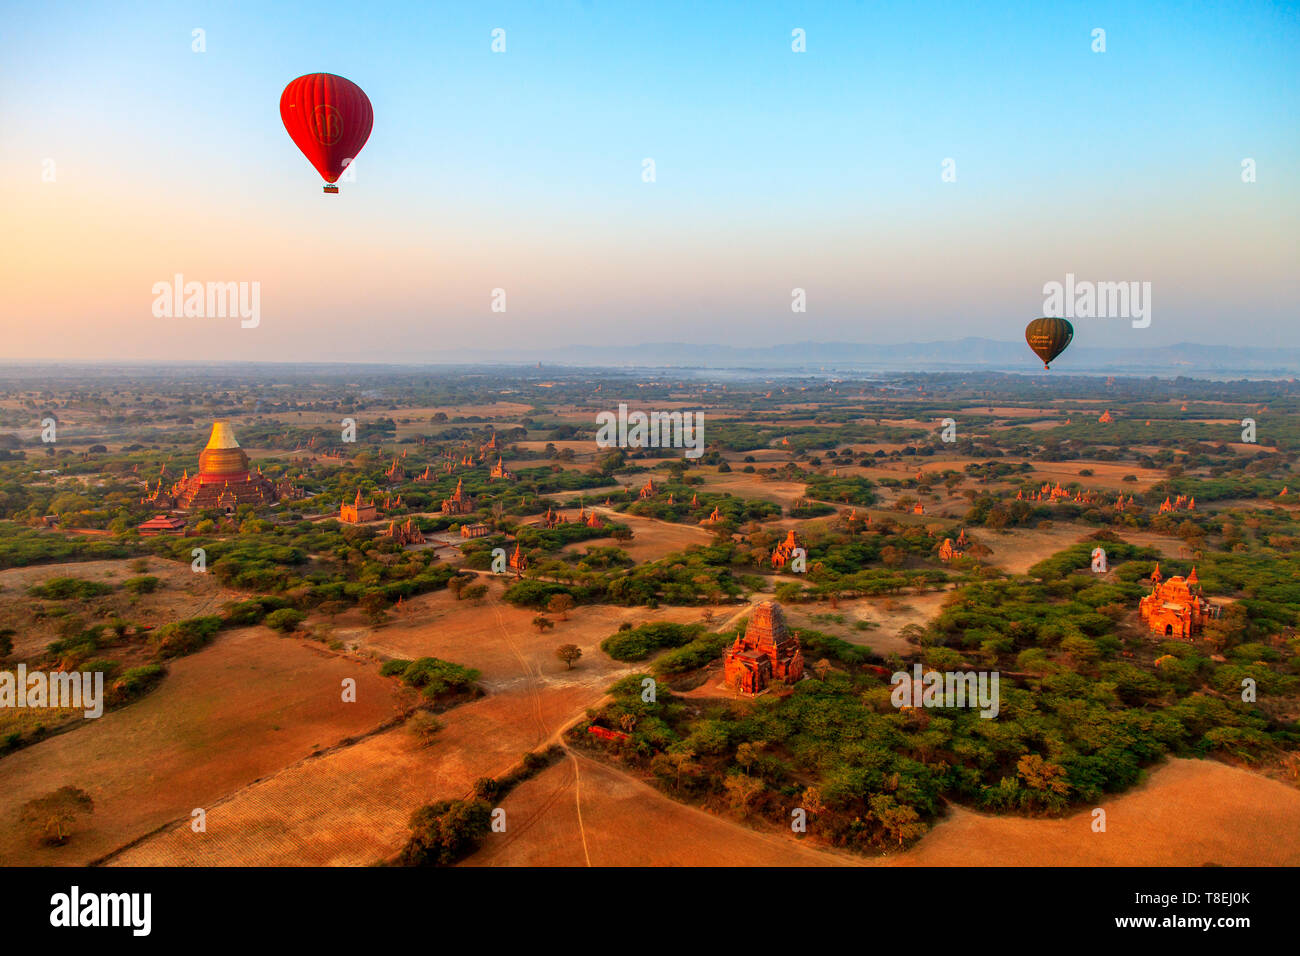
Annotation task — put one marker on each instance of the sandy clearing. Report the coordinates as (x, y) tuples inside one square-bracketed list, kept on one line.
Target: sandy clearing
[(741, 485), (241, 708), (1169, 547), (588, 449), (651, 538), (1188, 813), (499, 639), (1108, 475), (1019, 549), (625, 822), (890, 614)]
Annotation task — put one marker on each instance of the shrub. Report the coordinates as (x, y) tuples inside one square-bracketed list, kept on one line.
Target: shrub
[(445, 832), (246, 613), (395, 667), (640, 642), (137, 681), (64, 589), (187, 636), (438, 677), (285, 620), (424, 726)]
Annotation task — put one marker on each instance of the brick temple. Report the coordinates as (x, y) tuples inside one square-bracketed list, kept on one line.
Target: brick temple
[(224, 481), (459, 503), (358, 511), (1176, 607), (766, 652), (951, 550), (784, 551), (406, 533)]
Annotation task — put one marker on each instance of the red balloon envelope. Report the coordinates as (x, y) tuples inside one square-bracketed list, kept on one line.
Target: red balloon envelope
[(329, 119)]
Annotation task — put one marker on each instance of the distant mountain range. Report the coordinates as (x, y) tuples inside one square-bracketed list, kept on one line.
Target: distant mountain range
[(1217, 361), (1220, 362)]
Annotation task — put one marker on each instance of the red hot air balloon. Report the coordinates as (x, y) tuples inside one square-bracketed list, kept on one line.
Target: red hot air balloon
[(329, 119)]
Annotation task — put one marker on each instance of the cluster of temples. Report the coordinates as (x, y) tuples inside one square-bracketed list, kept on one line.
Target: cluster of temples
[(768, 651), (553, 519), (405, 533), (1176, 607), (1180, 503), (951, 550), (1055, 493), (223, 482)]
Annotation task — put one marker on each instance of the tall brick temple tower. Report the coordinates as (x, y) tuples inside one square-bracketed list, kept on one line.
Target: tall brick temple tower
[(766, 652)]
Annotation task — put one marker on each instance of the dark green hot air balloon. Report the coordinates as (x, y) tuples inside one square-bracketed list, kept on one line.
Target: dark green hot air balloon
[(1048, 338)]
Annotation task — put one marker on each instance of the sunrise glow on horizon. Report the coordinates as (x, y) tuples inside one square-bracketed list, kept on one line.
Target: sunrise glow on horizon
[(523, 170)]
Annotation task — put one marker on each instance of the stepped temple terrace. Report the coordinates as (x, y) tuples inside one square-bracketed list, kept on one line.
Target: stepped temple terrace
[(1176, 608), (766, 652), (224, 481)]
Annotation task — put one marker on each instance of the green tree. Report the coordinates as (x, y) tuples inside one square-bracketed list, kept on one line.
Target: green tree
[(569, 653), (560, 604), (285, 620), (898, 820), (424, 726)]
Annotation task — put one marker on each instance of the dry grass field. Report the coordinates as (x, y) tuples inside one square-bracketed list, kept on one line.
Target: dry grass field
[(580, 812), (350, 806), (182, 593), (1187, 813), (651, 538), (583, 813), (242, 708)]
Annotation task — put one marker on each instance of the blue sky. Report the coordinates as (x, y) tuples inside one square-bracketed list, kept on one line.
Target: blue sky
[(775, 170)]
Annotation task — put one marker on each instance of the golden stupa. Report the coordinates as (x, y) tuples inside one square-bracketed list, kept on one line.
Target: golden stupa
[(222, 457)]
